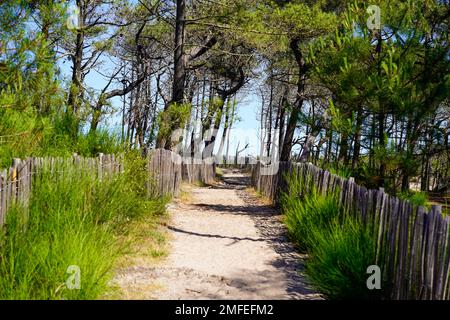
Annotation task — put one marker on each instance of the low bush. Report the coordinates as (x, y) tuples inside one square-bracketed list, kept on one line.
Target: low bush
[(26, 133), (416, 198), (339, 258)]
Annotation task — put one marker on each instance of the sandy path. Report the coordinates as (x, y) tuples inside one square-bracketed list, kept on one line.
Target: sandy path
[(225, 245)]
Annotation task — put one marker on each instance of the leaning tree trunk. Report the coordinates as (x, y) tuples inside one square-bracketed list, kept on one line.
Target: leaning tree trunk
[(280, 122), (77, 61), (293, 118), (343, 152), (226, 128), (357, 146), (269, 120), (179, 77)]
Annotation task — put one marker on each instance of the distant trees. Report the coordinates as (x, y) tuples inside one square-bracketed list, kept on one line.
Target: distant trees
[(390, 81), (362, 99), (335, 90)]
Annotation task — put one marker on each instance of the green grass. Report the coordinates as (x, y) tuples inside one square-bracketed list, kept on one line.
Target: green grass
[(416, 198), (24, 133), (200, 184), (339, 260), (73, 219), (314, 212), (342, 172), (340, 248)]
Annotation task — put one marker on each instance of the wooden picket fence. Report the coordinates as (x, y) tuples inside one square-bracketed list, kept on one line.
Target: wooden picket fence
[(412, 245), (204, 172), (166, 171)]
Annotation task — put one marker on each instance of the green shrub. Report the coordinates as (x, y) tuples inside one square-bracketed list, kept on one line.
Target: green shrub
[(341, 171), (416, 198), (97, 142), (73, 219), (340, 248), (304, 216)]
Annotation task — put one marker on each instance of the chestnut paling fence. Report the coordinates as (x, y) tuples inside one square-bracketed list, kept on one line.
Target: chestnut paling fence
[(166, 171), (412, 243)]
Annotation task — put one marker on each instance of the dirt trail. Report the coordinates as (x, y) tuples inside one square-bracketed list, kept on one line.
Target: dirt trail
[(225, 244)]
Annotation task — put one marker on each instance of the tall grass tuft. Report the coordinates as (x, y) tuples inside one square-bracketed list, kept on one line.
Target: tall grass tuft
[(339, 260), (415, 198), (304, 217), (339, 246), (73, 219)]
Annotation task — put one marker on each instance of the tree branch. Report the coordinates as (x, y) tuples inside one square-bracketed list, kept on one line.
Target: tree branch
[(198, 51)]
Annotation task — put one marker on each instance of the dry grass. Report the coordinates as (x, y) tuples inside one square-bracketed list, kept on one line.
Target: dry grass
[(263, 199), (146, 241), (219, 173), (147, 244), (140, 292), (185, 195)]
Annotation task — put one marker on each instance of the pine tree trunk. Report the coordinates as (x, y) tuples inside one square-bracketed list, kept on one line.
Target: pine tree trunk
[(357, 145), (293, 118), (179, 77), (77, 60)]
